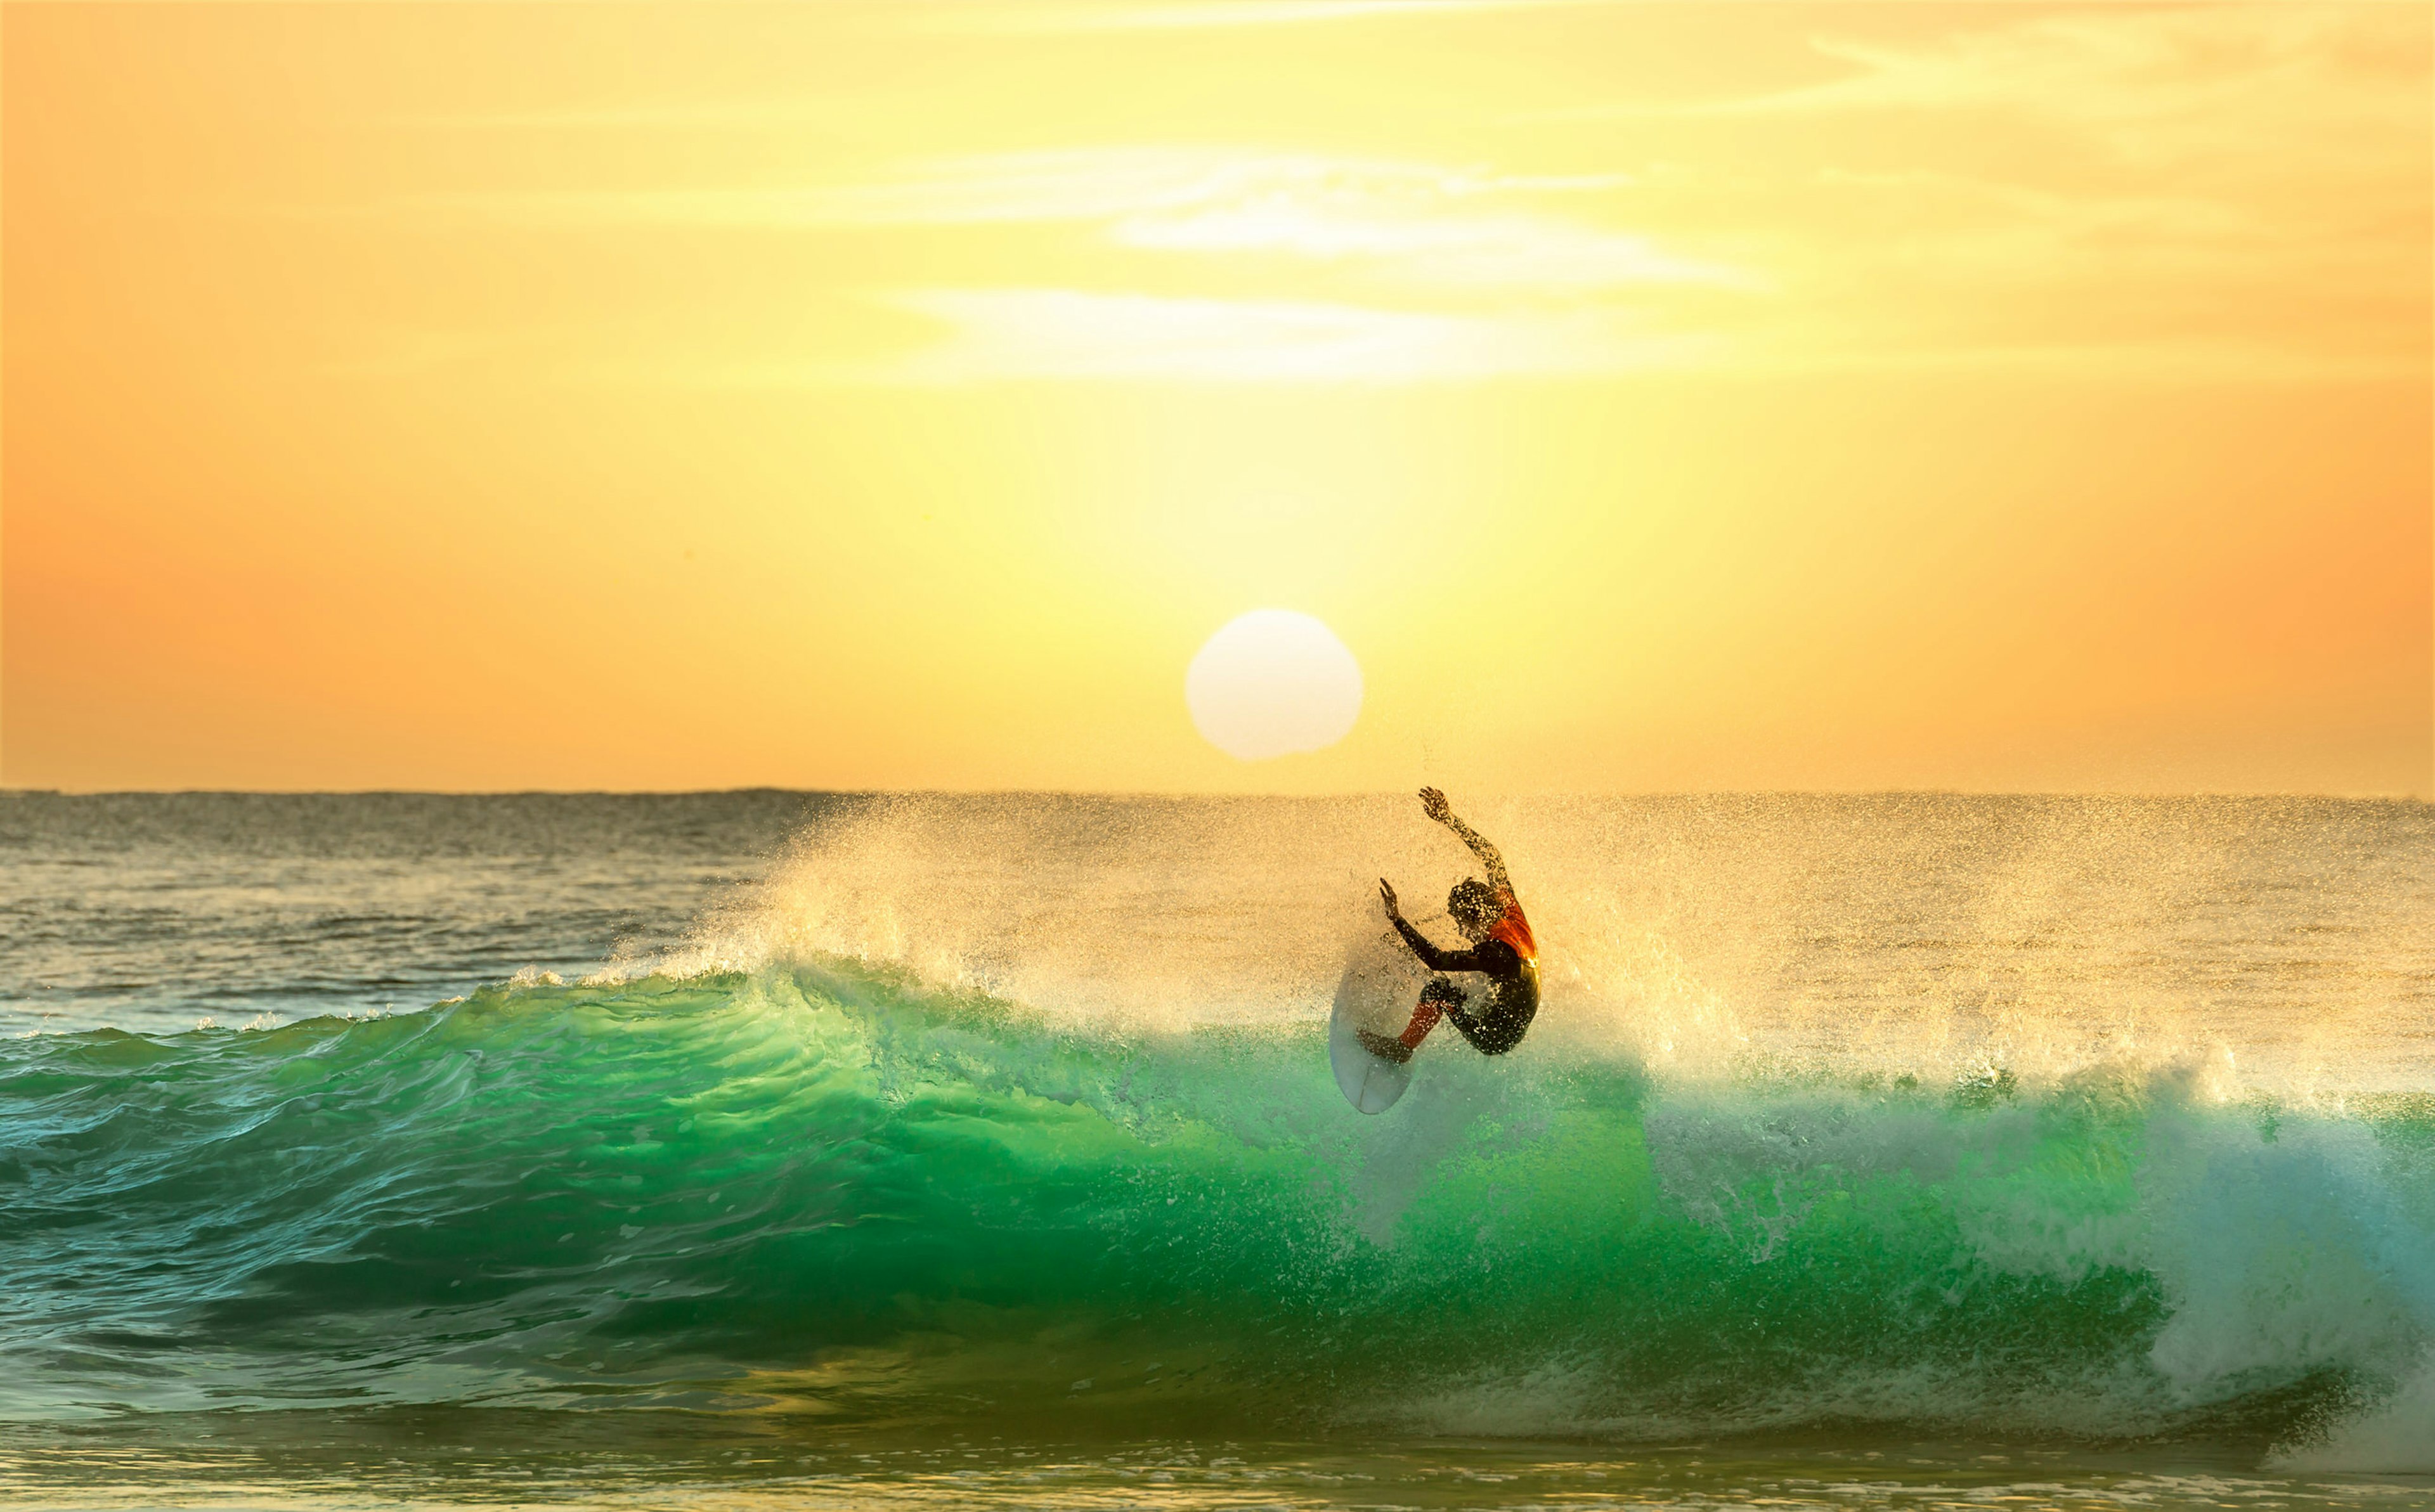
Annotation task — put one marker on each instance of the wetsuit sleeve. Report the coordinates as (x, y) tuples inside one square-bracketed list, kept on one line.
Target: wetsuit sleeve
[(1430, 955), (1496, 959)]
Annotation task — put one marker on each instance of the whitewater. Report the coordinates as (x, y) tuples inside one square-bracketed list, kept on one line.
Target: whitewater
[(1906, 1150)]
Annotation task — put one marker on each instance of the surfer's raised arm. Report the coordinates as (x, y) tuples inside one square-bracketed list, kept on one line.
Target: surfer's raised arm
[(1433, 803)]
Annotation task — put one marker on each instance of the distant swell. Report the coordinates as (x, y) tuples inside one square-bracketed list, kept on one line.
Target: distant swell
[(832, 1189)]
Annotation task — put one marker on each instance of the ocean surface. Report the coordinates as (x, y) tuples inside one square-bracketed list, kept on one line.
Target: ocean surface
[(763, 1148)]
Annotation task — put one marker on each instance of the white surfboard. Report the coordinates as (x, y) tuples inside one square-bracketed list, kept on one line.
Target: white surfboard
[(1381, 982)]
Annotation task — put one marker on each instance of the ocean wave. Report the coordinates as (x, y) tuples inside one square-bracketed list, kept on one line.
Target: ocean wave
[(825, 1186)]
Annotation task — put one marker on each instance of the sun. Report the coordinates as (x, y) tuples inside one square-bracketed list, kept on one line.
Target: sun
[(1273, 682)]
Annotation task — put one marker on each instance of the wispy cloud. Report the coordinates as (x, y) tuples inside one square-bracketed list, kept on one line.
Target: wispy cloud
[(662, 115), (2148, 191), (997, 334), (1445, 271), (1197, 15), (2240, 189), (1418, 224), (1429, 227), (1091, 183), (2151, 81)]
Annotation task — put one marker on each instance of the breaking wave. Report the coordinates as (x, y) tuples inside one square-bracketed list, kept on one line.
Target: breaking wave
[(826, 1186)]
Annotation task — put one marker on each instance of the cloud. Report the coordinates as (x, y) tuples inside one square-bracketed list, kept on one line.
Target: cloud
[(1063, 334), (2154, 83), (1209, 263), (1418, 224), (1426, 227), (2235, 191), (1070, 333), (1096, 183), (1196, 15)]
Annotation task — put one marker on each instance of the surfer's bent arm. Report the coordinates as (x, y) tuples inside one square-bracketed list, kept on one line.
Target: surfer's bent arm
[(1434, 803), (1493, 958)]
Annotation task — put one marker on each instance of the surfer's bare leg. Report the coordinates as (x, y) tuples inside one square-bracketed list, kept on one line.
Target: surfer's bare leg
[(1438, 996)]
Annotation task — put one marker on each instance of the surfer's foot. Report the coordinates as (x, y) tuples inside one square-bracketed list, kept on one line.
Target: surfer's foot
[(1384, 1047)]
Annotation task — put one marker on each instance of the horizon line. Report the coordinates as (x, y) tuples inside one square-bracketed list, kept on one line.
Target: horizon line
[(10, 791)]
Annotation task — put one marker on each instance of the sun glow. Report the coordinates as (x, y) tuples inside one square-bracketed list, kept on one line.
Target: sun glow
[(1274, 683)]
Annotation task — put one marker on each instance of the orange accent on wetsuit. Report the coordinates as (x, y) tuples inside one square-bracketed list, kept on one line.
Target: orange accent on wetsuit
[(1514, 930), (1511, 928)]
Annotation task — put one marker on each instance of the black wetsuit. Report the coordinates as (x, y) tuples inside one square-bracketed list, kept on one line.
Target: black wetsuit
[(1512, 988)]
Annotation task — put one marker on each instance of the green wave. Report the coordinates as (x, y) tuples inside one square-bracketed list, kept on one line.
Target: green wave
[(832, 1189)]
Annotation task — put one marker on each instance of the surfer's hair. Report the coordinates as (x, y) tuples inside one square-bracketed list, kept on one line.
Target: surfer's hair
[(1474, 904)]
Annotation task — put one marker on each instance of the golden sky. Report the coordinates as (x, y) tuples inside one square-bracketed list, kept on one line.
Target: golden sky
[(1652, 396)]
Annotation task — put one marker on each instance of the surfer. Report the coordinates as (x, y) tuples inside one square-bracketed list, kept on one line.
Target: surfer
[(1501, 950)]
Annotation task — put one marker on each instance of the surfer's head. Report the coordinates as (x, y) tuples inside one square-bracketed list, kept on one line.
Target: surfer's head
[(1475, 906)]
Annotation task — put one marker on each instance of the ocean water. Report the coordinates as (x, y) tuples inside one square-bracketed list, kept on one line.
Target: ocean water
[(764, 1148)]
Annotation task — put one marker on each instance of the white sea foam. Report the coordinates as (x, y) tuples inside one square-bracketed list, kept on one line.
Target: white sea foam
[(2395, 1436)]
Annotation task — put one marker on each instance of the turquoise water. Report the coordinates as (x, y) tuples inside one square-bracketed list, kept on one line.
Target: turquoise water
[(797, 1203)]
